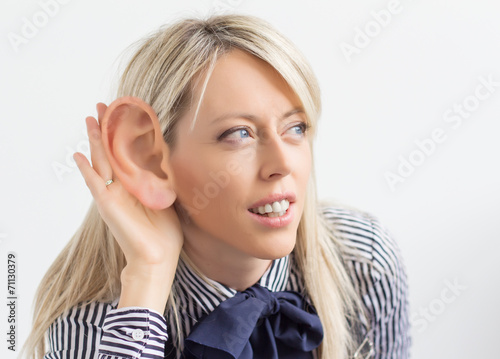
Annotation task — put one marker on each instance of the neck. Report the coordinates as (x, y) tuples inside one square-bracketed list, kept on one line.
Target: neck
[(229, 267)]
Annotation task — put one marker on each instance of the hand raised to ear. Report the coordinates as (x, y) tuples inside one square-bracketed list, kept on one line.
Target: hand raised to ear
[(146, 227)]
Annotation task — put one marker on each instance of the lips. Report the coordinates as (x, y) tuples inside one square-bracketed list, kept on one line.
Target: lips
[(273, 219)]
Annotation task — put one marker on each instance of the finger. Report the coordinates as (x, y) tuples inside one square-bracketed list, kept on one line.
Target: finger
[(101, 108), (92, 179), (98, 154)]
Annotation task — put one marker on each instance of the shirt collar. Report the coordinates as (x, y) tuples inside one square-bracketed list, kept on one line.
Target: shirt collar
[(209, 293)]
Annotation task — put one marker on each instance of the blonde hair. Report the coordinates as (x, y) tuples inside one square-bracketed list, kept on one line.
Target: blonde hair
[(161, 73)]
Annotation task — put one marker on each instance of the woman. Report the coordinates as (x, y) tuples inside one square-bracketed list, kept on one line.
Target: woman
[(205, 209)]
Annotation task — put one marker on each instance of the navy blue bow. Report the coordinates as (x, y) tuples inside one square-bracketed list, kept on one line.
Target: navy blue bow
[(257, 323)]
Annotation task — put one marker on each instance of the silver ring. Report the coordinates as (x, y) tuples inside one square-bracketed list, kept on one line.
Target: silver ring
[(108, 182)]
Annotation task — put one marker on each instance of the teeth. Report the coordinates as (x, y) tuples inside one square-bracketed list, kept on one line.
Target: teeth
[(279, 214), (274, 209)]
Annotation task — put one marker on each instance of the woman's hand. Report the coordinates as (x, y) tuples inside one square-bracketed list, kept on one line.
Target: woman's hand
[(150, 239)]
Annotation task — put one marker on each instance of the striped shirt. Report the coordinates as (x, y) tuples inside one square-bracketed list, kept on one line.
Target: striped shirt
[(372, 259)]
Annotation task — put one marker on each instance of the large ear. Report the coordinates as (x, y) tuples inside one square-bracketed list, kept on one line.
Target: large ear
[(137, 152)]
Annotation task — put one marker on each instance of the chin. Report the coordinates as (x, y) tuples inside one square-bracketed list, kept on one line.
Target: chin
[(276, 251)]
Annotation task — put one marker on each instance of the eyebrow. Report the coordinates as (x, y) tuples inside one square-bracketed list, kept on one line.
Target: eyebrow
[(255, 118)]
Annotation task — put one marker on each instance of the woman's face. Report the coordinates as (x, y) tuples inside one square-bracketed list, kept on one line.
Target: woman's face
[(248, 148)]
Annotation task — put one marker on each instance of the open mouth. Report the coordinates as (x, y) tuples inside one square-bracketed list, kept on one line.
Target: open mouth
[(274, 209)]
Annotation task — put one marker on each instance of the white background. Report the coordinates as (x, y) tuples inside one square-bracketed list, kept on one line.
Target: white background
[(427, 58)]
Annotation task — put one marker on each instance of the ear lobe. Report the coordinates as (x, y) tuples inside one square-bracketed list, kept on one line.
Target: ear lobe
[(137, 152)]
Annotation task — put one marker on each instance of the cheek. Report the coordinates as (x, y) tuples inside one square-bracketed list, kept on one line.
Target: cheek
[(204, 186), (190, 180), (304, 158)]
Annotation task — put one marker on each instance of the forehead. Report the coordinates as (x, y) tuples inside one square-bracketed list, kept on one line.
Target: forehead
[(241, 82)]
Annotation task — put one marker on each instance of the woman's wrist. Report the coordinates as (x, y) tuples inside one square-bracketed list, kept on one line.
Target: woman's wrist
[(146, 286)]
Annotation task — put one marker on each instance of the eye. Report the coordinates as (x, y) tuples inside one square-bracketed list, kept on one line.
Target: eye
[(235, 134), (299, 129)]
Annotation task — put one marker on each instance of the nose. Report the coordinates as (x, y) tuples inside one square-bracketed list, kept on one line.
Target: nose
[(275, 157)]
